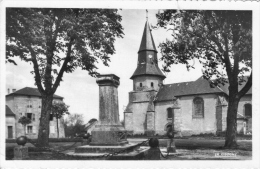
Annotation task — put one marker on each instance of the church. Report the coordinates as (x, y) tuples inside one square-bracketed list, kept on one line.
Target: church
[(192, 108)]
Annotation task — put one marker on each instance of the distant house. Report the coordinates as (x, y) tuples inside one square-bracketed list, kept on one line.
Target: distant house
[(27, 102), (198, 108)]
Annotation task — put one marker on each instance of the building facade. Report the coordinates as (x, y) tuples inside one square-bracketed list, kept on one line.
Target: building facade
[(27, 102), (192, 107)]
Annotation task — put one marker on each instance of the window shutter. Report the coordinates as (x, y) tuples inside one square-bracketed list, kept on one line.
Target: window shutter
[(34, 130), (33, 117)]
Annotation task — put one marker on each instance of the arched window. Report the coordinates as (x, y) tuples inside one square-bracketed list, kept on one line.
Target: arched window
[(248, 110), (198, 107), (141, 85), (169, 113), (151, 84)]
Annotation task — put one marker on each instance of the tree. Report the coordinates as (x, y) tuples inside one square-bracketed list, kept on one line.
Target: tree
[(57, 41), (222, 41), (24, 121), (59, 109), (73, 124)]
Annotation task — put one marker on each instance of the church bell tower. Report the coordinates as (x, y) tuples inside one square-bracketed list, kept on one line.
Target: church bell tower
[(147, 74), (139, 114)]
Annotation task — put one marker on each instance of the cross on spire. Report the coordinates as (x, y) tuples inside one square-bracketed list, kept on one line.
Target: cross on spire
[(146, 14)]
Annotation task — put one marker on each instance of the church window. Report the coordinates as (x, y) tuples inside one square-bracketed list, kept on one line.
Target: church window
[(169, 113), (198, 107), (141, 85), (151, 84), (248, 110)]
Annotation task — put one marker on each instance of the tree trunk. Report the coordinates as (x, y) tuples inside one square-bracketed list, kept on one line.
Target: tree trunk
[(24, 130), (44, 127), (230, 140), (57, 120)]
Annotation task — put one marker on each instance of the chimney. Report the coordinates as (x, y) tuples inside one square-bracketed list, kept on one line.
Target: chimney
[(8, 91), (14, 90)]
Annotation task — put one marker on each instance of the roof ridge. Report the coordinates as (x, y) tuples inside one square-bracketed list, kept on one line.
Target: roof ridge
[(178, 83), (30, 91)]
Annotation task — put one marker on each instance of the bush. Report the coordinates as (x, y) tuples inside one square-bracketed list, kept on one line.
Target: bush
[(50, 140)]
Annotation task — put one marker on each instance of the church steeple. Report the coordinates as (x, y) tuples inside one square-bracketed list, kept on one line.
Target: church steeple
[(147, 56), (147, 42)]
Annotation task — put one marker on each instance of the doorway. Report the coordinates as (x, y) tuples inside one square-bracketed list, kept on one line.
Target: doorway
[(10, 131)]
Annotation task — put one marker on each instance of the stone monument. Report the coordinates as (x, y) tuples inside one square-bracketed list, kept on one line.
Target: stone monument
[(109, 135), (108, 130)]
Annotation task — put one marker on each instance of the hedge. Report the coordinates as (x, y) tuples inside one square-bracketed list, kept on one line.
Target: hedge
[(50, 140)]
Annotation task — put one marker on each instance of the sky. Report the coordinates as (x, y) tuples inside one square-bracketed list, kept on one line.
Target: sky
[(80, 90)]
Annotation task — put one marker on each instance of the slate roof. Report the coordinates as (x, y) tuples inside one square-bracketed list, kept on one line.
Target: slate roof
[(147, 42), (8, 111), (29, 91), (225, 88), (147, 69), (200, 86)]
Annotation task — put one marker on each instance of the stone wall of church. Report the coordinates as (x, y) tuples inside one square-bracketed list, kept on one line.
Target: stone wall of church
[(244, 126), (128, 117), (150, 121), (20, 105), (139, 117), (146, 83), (194, 125), (161, 119), (244, 100), (188, 124)]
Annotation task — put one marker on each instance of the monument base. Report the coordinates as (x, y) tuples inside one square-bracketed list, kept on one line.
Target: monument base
[(108, 135), (20, 153), (133, 152), (104, 149)]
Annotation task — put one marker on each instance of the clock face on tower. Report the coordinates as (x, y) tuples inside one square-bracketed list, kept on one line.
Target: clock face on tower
[(150, 56)]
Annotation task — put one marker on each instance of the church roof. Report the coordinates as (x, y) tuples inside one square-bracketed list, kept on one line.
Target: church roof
[(225, 88), (200, 86), (147, 69), (147, 42), (29, 91), (8, 111)]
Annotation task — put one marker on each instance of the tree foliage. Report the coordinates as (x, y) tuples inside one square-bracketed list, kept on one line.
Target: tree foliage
[(221, 40), (60, 40), (59, 109), (73, 124), (57, 41), (24, 120)]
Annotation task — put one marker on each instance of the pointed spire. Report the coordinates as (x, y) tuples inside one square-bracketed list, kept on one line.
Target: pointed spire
[(147, 42), (146, 15)]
